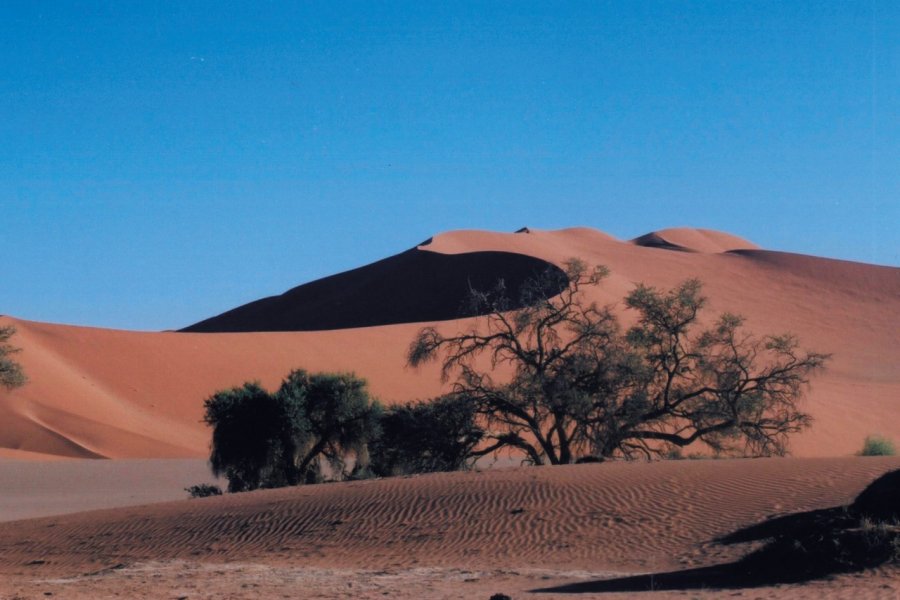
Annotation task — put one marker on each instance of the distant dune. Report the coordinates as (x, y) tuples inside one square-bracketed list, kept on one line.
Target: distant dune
[(416, 285), (108, 393), (694, 240)]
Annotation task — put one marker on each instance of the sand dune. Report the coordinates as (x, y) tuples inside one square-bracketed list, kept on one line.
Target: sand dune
[(544, 525), (416, 285), (97, 392), (694, 240)]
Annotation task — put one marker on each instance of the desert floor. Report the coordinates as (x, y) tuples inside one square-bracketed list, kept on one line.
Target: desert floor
[(75, 528), (525, 532)]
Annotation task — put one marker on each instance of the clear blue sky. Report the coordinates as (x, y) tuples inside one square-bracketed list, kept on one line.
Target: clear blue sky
[(161, 164)]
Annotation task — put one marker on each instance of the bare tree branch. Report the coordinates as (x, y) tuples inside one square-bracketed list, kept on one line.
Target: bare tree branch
[(579, 385)]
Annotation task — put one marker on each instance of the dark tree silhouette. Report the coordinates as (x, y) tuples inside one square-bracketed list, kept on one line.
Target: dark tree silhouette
[(255, 436), (424, 437), (272, 440), (579, 385)]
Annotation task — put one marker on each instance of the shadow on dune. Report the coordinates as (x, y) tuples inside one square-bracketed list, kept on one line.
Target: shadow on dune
[(801, 547), (414, 286)]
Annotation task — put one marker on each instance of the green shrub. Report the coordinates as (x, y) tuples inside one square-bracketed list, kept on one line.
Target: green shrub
[(314, 421), (11, 373), (878, 446), (425, 437)]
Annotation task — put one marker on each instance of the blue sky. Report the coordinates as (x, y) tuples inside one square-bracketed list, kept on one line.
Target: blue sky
[(161, 164)]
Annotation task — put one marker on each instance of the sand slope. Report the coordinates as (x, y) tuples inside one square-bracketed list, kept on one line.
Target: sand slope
[(415, 285), (97, 392), (574, 522)]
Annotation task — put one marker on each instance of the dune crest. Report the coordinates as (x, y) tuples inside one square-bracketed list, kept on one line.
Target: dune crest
[(101, 392), (416, 285), (687, 239)]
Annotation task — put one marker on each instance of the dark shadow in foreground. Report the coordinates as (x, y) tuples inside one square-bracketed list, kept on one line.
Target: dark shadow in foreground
[(801, 547)]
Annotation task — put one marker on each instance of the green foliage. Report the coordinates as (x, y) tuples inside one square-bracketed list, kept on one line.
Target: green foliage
[(579, 385), (11, 373), (878, 446), (424, 437), (254, 434), (203, 490), (272, 440), (340, 417)]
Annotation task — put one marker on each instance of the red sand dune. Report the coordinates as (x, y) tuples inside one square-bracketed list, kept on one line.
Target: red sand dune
[(97, 392), (410, 287), (694, 240), (445, 535)]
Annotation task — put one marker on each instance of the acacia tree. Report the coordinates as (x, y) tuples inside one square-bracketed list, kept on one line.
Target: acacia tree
[(11, 373), (424, 437), (578, 385), (340, 420), (725, 387), (272, 440), (255, 436)]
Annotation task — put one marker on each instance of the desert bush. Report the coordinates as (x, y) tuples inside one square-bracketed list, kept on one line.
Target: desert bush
[(579, 385), (424, 437), (11, 373), (342, 419), (313, 423), (254, 434), (203, 490), (877, 446)]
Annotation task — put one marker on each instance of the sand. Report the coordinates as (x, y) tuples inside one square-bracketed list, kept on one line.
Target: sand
[(460, 535), (120, 394), (77, 528), (37, 488)]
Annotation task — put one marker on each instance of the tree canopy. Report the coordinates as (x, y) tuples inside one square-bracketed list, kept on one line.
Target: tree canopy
[(11, 373), (271, 440), (424, 437), (580, 385)]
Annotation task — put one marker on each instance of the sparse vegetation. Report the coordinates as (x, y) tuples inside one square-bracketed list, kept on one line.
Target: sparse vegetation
[(312, 424), (423, 437), (580, 386), (203, 490), (11, 373), (875, 445)]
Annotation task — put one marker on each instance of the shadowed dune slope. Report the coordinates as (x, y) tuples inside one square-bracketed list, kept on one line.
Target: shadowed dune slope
[(99, 392), (406, 288), (623, 517)]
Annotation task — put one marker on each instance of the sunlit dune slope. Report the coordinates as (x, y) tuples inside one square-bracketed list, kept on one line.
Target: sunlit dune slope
[(693, 240), (96, 392)]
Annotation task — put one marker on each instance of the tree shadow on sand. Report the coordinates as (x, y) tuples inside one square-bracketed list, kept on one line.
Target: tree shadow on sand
[(801, 547)]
